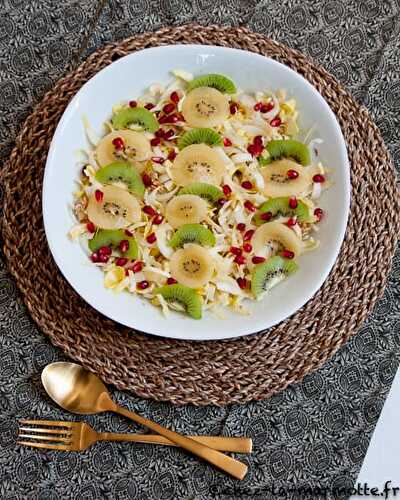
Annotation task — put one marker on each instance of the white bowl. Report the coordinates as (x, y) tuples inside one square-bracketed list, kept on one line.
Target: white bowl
[(124, 80)]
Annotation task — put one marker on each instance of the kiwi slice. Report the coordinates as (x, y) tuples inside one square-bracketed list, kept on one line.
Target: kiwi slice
[(280, 206), (206, 191), (219, 82), (289, 148), (141, 116), (192, 233), (120, 171), (184, 295), (200, 136), (113, 237), (270, 273)]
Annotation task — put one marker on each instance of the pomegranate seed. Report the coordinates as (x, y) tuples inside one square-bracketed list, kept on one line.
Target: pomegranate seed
[(174, 118), (174, 97), (137, 266), (276, 122), (257, 106), (266, 216), (99, 195), (292, 174), (157, 159), (267, 107), (233, 108), (226, 189), (124, 246), (103, 258), (104, 250), (118, 143), (163, 119), (94, 257), (236, 250), (248, 235), (247, 185), (318, 178), (319, 213), (227, 142), (155, 141), (247, 247), (258, 140), (90, 227), (291, 222), (149, 105), (240, 260), (146, 180), (147, 209), (168, 108), (251, 148), (257, 260), (158, 219), (287, 254), (168, 134), (151, 238), (180, 116), (171, 281), (128, 233), (172, 155), (241, 227), (132, 104), (221, 202), (249, 206), (293, 203), (242, 282), (121, 261), (142, 285), (159, 133)]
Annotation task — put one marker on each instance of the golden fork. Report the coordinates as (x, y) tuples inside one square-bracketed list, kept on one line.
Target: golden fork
[(78, 436)]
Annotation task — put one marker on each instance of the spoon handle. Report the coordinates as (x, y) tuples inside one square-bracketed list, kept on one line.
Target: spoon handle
[(227, 464)]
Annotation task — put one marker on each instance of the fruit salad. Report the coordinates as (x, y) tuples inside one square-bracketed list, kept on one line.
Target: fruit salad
[(199, 196)]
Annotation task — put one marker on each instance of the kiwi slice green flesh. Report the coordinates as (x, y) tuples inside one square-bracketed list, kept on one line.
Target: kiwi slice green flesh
[(113, 237), (141, 116), (192, 233), (289, 148), (120, 171), (183, 295), (280, 206), (270, 273), (219, 82), (206, 191), (200, 136)]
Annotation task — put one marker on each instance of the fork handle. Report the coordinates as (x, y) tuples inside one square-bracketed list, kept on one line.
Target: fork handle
[(227, 464), (221, 443)]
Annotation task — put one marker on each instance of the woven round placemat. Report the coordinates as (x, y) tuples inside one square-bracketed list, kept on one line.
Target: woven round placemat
[(213, 372)]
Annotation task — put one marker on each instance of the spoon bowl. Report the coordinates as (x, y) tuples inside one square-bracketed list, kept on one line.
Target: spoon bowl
[(76, 389)]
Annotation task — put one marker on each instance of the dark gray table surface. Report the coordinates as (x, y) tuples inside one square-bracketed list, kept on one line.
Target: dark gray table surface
[(314, 433)]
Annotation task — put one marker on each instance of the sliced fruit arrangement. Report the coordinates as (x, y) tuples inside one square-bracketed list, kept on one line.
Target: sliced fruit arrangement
[(285, 206), (114, 237), (192, 233), (122, 173), (200, 196)]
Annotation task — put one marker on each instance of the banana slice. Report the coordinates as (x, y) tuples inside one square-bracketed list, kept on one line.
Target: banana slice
[(277, 182), (136, 148), (205, 107), (116, 210), (186, 209), (192, 266), (277, 232), (197, 163)]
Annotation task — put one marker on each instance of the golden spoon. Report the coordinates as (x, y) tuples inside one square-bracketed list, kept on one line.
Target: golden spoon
[(79, 391)]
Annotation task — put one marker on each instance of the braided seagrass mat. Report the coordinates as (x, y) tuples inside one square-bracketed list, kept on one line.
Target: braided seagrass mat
[(214, 372)]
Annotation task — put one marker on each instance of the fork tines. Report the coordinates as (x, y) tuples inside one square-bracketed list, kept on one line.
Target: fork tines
[(50, 434)]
